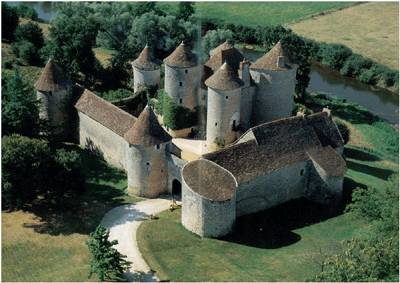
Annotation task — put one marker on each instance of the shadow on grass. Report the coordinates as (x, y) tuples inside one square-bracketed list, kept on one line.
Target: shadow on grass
[(369, 170), (104, 189), (360, 155)]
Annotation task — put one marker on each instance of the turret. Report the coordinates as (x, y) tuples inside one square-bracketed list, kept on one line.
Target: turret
[(275, 78), (146, 70), (146, 161), (52, 91), (223, 107), (182, 77)]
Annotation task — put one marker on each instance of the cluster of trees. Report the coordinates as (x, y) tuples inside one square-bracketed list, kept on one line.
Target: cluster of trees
[(373, 256)]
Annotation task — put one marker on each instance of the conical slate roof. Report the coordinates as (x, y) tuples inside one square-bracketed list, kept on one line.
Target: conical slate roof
[(52, 78), (147, 131), (225, 52), (146, 61), (224, 79), (182, 57), (270, 60)]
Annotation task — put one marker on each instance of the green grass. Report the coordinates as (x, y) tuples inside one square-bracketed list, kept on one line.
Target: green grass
[(259, 13), (49, 244), (285, 243)]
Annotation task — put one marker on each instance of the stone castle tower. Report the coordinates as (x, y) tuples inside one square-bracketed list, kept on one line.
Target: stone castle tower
[(223, 106), (182, 77), (146, 70), (52, 91), (146, 162), (275, 78)]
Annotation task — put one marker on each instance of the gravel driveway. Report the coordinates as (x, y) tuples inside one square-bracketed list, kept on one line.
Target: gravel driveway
[(123, 222)]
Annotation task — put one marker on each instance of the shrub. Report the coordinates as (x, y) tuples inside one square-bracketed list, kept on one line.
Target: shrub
[(9, 21), (367, 76), (7, 63), (118, 94), (30, 32), (25, 11), (344, 130), (105, 260), (390, 77), (354, 64), (26, 51), (333, 55)]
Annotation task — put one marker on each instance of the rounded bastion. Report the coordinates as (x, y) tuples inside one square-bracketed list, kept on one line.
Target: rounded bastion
[(208, 198), (146, 70)]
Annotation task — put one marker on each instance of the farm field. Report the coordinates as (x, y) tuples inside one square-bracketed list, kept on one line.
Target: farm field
[(285, 243), (260, 13), (369, 29), (49, 244)]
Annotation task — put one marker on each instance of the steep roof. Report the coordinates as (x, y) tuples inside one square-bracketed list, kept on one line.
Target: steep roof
[(145, 60), (270, 60), (278, 144), (105, 113), (224, 53), (52, 78), (326, 158), (147, 131), (182, 57), (224, 79)]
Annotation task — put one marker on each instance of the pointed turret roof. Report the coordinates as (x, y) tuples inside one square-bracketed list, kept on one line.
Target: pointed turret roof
[(182, 57), (225, 52), (145, 60), (270, 60), (147, 131), (52, 78), (224, 79)]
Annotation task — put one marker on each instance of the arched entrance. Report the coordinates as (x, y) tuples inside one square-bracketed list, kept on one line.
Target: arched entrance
[(176, 187)]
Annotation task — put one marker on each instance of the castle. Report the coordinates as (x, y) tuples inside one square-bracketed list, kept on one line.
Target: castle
[(254, 153)]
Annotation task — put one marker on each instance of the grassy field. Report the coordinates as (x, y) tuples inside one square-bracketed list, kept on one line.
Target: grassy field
[(285, 243), (49, 245), (369, 29), (260, 13)]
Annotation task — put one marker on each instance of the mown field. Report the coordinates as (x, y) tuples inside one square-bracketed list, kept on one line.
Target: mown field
[(285, 243), (370, 29), (49, 244), (260, 13)]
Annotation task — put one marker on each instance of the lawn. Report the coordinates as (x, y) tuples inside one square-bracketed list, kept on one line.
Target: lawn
[(49, 244), (260, 13), (285, 243), (369, 29)]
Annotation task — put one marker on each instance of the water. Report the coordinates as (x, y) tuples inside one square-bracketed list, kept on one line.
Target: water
[(378, 101)]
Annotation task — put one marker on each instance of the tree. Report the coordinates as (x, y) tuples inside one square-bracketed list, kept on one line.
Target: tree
[(105, 260), (72, 37), (20, 111), (30, 32), (185, 10), (25, 11), (344, 130), (26, 51), (9, 21), (213, 38)]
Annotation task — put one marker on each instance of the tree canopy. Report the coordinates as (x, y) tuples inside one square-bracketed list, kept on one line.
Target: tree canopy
[(9, 21)]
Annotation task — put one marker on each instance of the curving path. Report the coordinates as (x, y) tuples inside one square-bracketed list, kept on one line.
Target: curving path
[(123, 222)]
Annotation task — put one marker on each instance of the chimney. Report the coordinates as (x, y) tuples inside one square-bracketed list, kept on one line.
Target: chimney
[(244, 72), (281, 62)]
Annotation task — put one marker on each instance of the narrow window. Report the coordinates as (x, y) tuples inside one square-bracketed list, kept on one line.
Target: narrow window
[(301, 172), (234, 125), (180, 100), (226, 97), (186, 71), (148, 163), (50, 93), (216, 123), (157, 146), (180, 83)]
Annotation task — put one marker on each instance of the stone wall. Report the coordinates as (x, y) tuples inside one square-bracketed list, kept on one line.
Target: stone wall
[(182, 84), (96, 137), (145, 78), (147, 170), (246, 106), (272, 189), (223, 108), (52, 108), (175, 165), (274, 95)]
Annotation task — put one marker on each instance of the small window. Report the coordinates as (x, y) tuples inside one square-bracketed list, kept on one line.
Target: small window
[(216, 123), (148, 163), (50, 93), (186, 71), (180, 101), (157, 146), (180, 83), (301, 172), (226, 97)]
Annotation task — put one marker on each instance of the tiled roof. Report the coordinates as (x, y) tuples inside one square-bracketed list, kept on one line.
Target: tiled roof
[(224, 79), (327, 158), (147, 131), (52, 78), (146, 61), (105, 113), (182, 57), (270, 60), (224, 53)]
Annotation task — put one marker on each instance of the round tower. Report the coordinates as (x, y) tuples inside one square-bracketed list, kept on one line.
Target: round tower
[(146, 163), (182, 77), (223, 107), (146, 70), (275, 79), (52, 91)]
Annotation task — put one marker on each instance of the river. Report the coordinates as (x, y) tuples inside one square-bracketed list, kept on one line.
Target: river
[(378, 101)]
